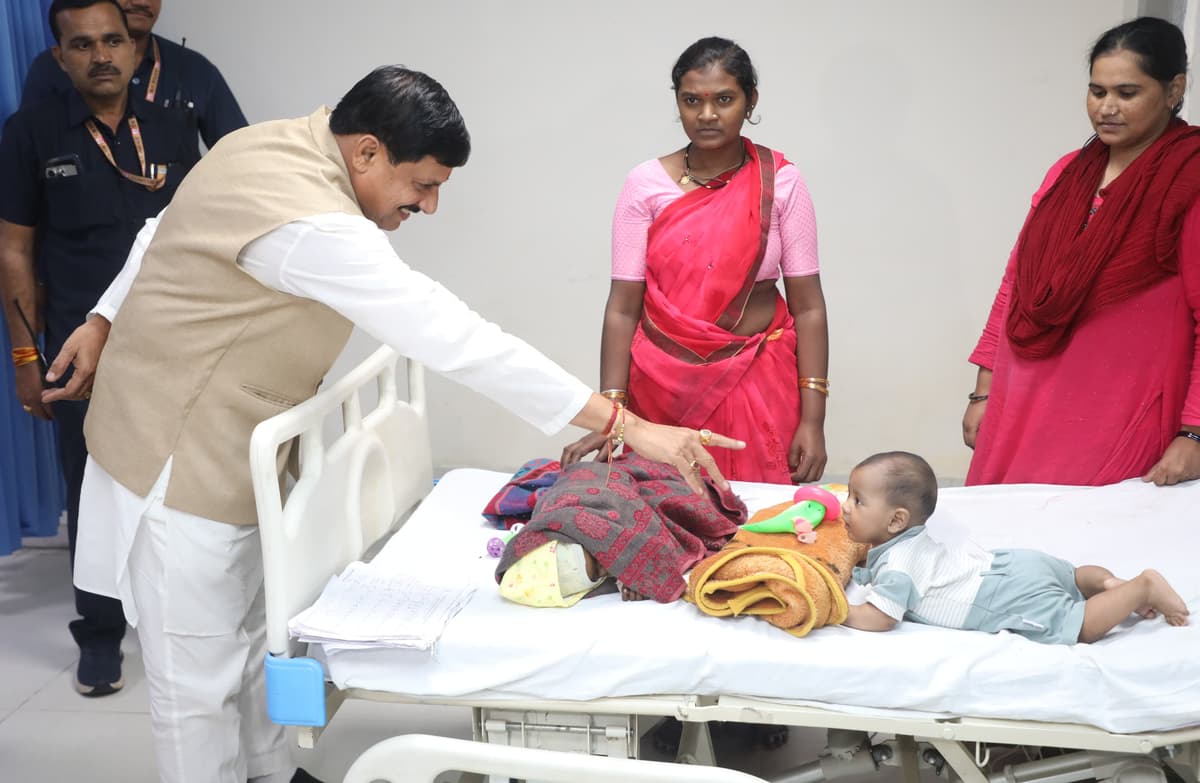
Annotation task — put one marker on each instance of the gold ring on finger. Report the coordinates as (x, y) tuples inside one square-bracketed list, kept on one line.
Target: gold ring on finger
[(705, 437)]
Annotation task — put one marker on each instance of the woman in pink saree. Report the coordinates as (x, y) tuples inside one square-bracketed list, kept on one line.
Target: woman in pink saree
[(696, 332)]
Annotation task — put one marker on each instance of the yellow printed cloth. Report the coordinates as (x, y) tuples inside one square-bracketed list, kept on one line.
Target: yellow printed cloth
[(554, 574)]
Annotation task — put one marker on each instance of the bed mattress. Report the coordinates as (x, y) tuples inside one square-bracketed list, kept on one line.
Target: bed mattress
[(1144, 676)]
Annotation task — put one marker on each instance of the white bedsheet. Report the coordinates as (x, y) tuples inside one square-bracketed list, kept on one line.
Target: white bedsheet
[(1145, 676)]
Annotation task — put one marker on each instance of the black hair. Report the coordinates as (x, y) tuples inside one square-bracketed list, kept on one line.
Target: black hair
[(910, 482), (409, 112), (707, 51), (58, 6), (1159, 45)]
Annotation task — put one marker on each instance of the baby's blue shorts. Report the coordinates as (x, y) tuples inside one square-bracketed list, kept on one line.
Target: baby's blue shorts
[(1030, 593)]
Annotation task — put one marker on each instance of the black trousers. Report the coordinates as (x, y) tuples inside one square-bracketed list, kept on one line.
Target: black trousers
[(101, 624)]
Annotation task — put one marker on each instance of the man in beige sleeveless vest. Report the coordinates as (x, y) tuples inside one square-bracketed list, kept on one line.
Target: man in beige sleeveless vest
[(246, 289)]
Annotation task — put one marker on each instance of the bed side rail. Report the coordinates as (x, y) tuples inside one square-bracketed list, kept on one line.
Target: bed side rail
[(350, 490)]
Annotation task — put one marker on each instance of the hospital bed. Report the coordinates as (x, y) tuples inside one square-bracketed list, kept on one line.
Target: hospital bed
[(593, 677)]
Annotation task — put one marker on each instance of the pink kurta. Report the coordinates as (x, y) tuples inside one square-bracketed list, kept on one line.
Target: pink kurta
[(1106, 407)]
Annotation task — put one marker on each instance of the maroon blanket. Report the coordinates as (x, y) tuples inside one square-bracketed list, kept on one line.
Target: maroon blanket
[(639, 519)]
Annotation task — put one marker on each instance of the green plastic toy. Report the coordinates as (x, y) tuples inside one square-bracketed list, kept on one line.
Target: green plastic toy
[(785, 521)]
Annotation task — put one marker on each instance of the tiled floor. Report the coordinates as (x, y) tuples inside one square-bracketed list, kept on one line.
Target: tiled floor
[(50, 733)]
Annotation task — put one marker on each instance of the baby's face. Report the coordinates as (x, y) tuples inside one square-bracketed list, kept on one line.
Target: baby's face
[(866, 511)]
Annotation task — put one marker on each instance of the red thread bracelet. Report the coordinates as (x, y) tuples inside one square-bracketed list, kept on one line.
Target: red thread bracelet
[(612, 419)]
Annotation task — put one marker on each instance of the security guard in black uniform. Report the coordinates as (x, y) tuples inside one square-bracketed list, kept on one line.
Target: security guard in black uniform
[(82, 171)]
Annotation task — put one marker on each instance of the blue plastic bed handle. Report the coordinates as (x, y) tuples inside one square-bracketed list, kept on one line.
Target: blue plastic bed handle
[(295, 691)]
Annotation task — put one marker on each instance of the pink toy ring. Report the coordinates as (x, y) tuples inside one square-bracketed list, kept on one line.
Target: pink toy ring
[(833, 509)]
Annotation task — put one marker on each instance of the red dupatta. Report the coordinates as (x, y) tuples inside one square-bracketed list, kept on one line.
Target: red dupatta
[(702, 255), (1064, 273)]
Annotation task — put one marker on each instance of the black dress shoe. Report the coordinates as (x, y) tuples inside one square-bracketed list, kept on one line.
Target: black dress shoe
[(303, 777), (99, 672)]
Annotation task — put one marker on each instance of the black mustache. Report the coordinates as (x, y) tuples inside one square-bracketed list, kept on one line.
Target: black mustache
[(103, 70), (139, 9), (412, 208)]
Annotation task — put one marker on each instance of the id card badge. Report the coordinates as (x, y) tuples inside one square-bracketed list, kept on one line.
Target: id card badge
[(62, 166)]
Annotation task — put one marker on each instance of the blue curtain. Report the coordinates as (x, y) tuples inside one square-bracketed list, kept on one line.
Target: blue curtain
[(25, 33), (32, 495)]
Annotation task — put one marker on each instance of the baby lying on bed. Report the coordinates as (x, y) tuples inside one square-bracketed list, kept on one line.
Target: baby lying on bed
[(911, 575)]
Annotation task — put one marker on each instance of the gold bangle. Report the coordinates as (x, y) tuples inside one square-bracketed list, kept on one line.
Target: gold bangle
[(616, 395), (816, 384)]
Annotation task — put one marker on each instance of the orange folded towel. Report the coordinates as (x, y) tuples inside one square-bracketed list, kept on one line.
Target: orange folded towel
[(794, 586)]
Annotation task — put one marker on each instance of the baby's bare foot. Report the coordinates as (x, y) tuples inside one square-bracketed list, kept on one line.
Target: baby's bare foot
[(1165, 600), (1146, 612)]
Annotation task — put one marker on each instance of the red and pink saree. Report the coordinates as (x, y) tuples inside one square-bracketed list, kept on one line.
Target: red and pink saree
[(688, 368)]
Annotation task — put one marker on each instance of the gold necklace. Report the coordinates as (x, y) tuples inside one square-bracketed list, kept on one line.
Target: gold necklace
[(708, 182)]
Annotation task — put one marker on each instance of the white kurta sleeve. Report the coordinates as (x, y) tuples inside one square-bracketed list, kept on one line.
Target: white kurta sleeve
[(114, 296), (347, 263)]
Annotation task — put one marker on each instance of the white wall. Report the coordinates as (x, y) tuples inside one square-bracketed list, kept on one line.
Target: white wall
[(922, 128)]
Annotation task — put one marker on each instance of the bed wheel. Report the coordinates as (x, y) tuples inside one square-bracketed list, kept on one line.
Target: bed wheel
[(770, 736), (665, 736), (1138, 770)]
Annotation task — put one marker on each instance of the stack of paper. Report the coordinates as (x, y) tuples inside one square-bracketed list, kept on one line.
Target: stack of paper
[(370, 606)]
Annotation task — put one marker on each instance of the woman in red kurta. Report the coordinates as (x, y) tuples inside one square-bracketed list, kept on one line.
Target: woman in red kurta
[(1089, 367), (695, 330)]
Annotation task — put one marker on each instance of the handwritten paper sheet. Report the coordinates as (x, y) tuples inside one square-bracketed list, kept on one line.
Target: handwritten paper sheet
[(370, 606)]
